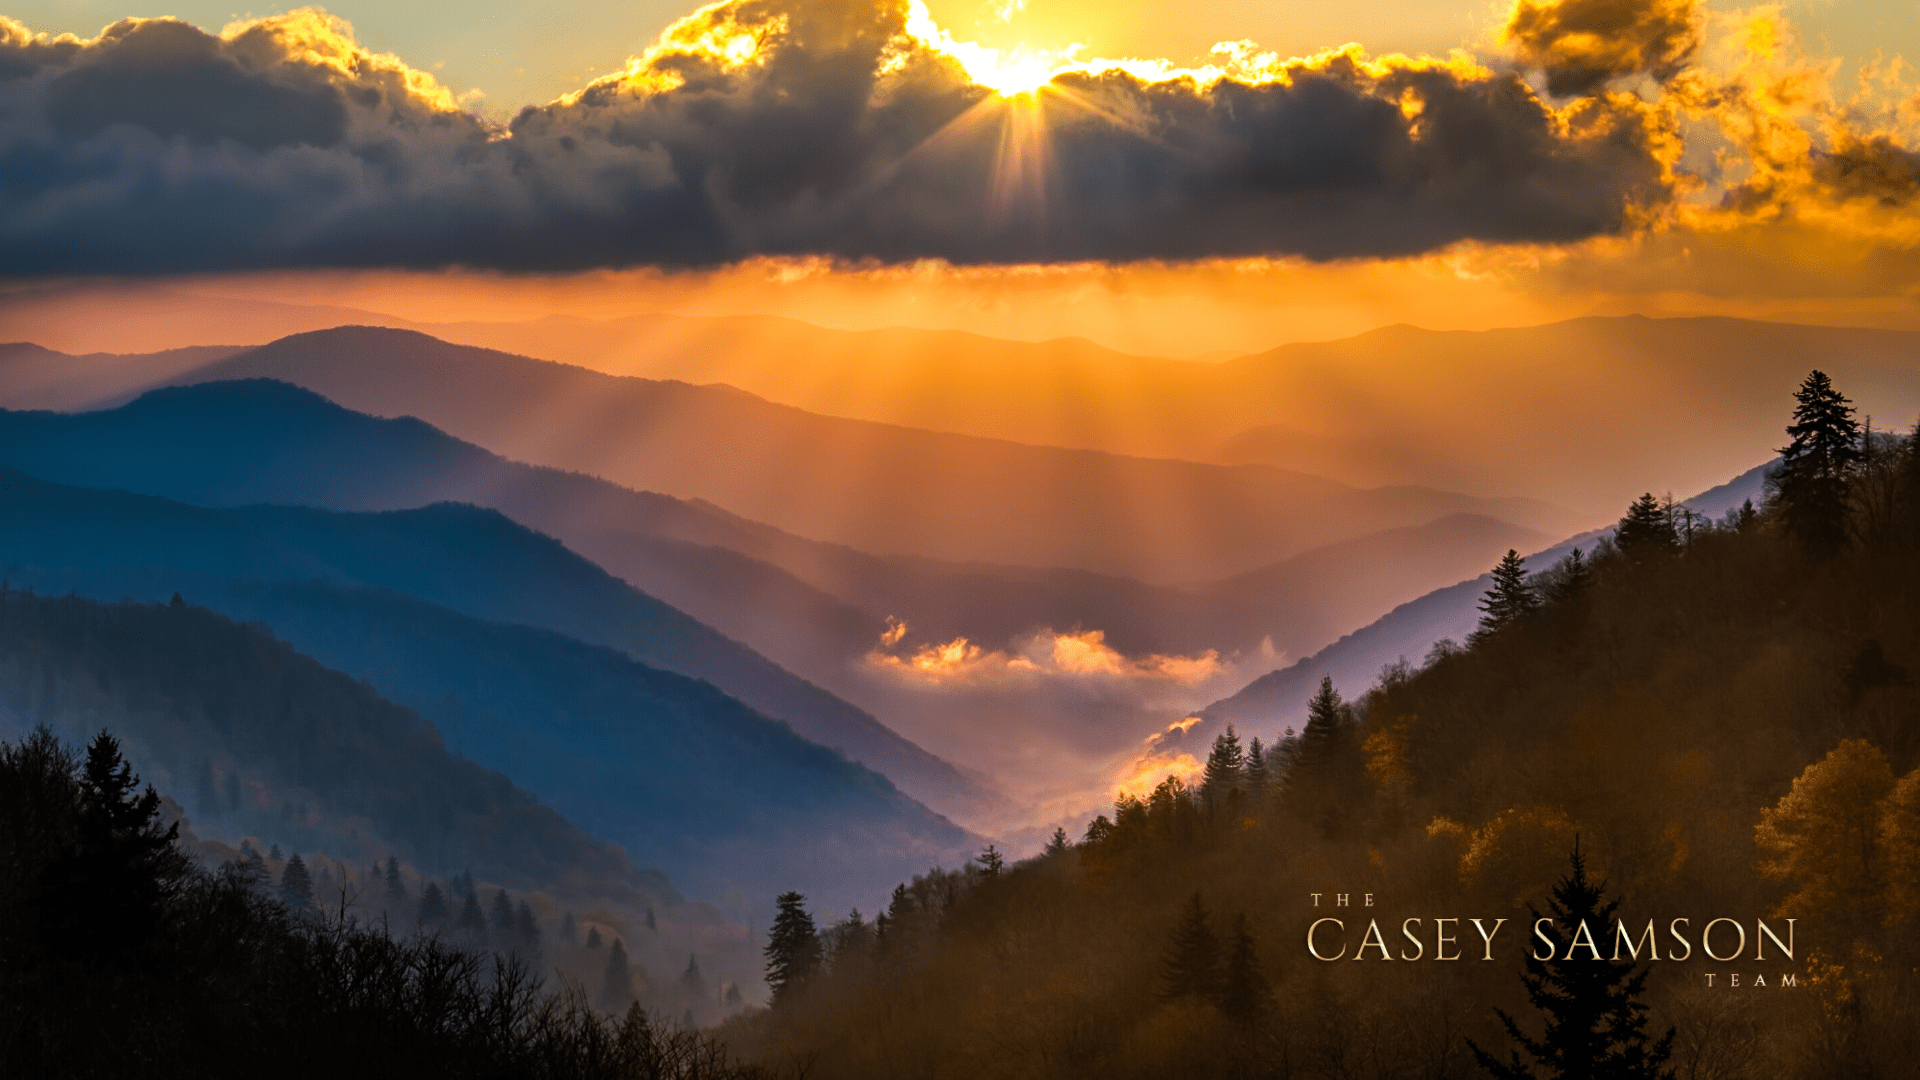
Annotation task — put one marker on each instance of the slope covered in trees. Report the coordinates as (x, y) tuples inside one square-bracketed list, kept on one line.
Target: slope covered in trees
[(1722, 722), (265, 741), (678, 773), (233, 444), (120, 957)]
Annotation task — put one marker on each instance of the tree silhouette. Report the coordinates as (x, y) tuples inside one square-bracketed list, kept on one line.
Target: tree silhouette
[(1244, 994), (1571, 576), (1511, 599), (692, 983), (396, 889), (296, 885), (593, 937), (1811, 483), (1226, 767), (526, 929), (434, 911), (1191, 967), (616, 992), (992, 862), (1647, 530), (793, 948), (473, 922), (1595, 1022), (105, 899), (1058, 844), (1326, 729), (1259, 775), (505, 927)]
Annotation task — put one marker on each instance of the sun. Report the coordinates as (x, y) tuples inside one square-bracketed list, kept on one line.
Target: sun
[(1010, 73)]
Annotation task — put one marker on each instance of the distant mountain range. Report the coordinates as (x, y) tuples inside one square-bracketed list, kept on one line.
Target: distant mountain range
[(240, 443), (1605, 406), (876, 487), (679, 774), (256, 739)]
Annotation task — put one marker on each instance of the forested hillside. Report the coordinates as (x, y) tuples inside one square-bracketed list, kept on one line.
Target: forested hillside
[(681, 775), (1720, 717)]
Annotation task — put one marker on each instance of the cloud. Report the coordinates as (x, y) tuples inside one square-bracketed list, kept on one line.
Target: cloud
[(783, 128), (1082, 655), (1583, 44)]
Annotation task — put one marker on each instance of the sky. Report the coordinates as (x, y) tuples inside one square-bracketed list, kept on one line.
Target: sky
[(518, 53), (875, 163)]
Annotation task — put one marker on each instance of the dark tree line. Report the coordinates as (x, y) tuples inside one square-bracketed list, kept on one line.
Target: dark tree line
[(119, 957)]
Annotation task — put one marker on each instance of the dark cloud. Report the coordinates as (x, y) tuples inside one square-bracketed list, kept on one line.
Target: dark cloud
[(1582, 44), (770, 127), (1870, 168)]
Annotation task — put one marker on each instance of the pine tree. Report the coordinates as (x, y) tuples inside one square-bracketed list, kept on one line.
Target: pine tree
[(1326, 731), (1258, 778), (1571, 576), (1191, 967), (1595, 1022), (1226, 767), (1815, 473), (1647, 530), (503, 922), (1244, 994), (296, 886), (793, 948), (434, 911), (1511, 599), (106, 898), (593, 937), (526, 930), (1058, 844), (692, 983), (992, 862), (616, 992), (473, 922), (396, 889)]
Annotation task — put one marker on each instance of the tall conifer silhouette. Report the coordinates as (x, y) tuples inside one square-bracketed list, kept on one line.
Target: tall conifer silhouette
[(1595, 1022)]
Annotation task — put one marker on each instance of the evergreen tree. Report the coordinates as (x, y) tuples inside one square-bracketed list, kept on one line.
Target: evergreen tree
[(396, 889), (992, 862), (793, 948), (434, 911), (296, 886), (1244, 994), (504, 925), (1191, 967), (1571, 576), (1226, 767), (616, 992), (1815, 473), (593, 937), (526, 929), (1595, 1022), (1511, 599), (1059, 843), (106, 898), (1258, 778), (473, 922), (569, 930), (1326, 731), (1647, 530), (692, 983)]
